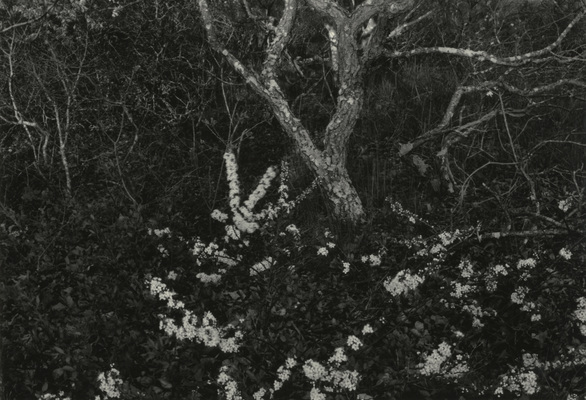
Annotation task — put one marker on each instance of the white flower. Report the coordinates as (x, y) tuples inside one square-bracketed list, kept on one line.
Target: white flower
[(159, 232), (163, 250), (330, 245), (339, 356), (565, 253), (402, 283), (313, 370), (172, 275), (374, 260), (580, 312), (292, 229), (290, 363), (322, 251), (230, 387), (346, 266), (536, 317), (315, 394), (110, 382), (434, 361), (528, 262), (367, 329), (344, 379), (354, 343), (198, 247), (259, 394), (219, 216), (499, 269), (283, 373), (466, 269), (214, 279), (518, 295), (531, 360), (564, 205), (460, 290), (437, 248)]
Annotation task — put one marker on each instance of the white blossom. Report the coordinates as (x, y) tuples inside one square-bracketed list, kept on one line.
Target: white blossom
[(565, 253)]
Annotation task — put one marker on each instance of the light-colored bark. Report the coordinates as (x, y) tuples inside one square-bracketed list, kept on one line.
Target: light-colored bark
[(328, 164)]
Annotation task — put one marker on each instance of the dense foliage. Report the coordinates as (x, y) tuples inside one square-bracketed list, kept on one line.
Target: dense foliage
[(116, 118)]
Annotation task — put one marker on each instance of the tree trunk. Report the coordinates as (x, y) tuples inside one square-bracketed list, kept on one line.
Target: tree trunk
[(330, 164)]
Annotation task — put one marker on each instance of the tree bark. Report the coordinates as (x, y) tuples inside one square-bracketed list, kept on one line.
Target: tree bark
[(329, 165)]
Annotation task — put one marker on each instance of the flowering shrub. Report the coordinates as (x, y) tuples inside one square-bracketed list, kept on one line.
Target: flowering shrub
[(270, 310)]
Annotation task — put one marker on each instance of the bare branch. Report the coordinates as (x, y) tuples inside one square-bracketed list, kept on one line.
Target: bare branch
[(282, 35), (526, 234), (369, 9), (465, 129), (266, 88), (454, 101), (485, 56), (399, 30), (329, 8)]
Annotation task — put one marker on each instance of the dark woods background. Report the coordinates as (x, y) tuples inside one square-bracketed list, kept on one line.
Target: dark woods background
[(114, 116)]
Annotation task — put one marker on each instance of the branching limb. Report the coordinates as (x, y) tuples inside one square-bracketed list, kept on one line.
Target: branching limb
[(278, 43), (268, 89), (527, 234), (485, 56), (399, 30), (447, 118), (460, 133)]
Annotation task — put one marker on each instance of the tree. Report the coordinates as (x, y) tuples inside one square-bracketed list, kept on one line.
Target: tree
[(363, 33)]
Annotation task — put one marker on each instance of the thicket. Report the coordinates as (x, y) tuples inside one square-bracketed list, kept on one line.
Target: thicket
[(439, 295)]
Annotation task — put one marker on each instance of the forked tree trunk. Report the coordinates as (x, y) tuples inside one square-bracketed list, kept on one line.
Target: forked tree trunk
[(329, 164)]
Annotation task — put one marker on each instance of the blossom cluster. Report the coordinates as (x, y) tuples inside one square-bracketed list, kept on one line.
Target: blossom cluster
[(374, 260), (518, 381), (580, 315), (434, 248), (402, 283), (565, 204), (525, 266), (491, 277), (244, 219), (229, 385), (207, 331), (327, 378), (477, 312), (50, 396), (398, 209), (331, 377), (159, 232), (110, 383), (437, 363), (565, 253)]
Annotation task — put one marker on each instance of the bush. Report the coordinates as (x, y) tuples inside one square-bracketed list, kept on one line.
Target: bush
[(273, 310)]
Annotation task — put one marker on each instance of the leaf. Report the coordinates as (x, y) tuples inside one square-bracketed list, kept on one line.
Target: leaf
[(364, 396)]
